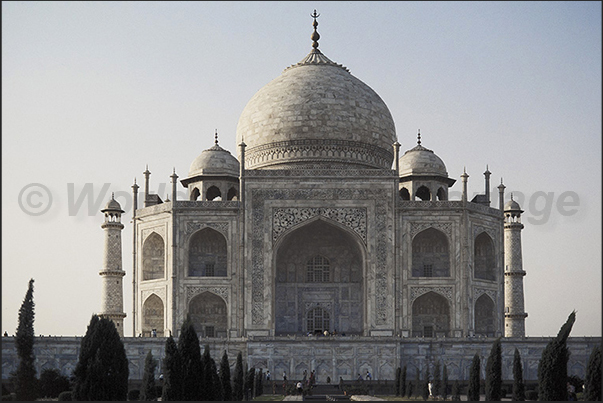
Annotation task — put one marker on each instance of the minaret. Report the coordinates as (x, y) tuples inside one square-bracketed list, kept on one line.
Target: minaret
[(514, 307), (487, 180), (501, 196), (464, 177), (112, 272)]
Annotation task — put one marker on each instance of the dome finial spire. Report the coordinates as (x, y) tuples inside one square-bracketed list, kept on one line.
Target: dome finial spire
[(419, 137), (315, 36), (216, 137)]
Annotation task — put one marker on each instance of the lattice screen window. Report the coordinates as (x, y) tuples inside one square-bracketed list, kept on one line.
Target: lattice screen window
[(427, 270), (318, 270), (210, 270), (318, 320)]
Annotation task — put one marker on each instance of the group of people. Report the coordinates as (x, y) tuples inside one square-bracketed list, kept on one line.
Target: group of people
[(367, 376)]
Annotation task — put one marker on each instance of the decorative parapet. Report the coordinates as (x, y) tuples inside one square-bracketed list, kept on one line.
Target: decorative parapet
[(319, 173), (448, 204)]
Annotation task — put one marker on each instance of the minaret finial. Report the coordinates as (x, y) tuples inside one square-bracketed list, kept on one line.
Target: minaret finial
[(113, 195), (315, 36), (419, 137), (511, 196), (216, 137)]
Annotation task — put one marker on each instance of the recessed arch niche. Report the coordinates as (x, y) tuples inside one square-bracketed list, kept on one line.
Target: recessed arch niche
[(340, 295), (209, 315)]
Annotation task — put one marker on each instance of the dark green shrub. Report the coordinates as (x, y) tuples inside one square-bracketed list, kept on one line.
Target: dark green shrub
[(52, 383), (532, 395), (66, 396), (593, 376), (133, 395)]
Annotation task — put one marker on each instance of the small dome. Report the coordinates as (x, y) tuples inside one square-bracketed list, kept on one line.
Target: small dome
[(512, 205), (215, 161), (421, 161), (112, 205)]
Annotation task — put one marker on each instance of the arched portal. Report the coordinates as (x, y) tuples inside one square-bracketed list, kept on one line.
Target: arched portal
[(430, 316), (152, 316), (153, 257), (485, 264), (430, 257), (209, 316), (195, 194), (213, 193), (442, 194), (319, 272), (404, 194), (485, 320), (232, 194), (207, 254), (423, 193)]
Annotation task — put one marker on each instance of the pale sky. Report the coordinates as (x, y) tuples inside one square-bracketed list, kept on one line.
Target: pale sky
[(94, 91)]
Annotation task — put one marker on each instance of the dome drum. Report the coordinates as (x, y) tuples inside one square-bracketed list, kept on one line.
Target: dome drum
[(318, 153)]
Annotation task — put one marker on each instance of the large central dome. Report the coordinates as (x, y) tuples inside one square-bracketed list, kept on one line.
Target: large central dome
[(316, 115)]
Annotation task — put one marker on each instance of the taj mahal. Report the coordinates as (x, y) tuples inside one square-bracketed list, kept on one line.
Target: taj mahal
[(323, 245), (320, 223)]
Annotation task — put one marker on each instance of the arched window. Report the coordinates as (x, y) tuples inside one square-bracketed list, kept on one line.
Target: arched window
[(430, 316), (209, 316), (484, 265), (152, 316), (404, 194), (318, 320), (195, 194), (213, 193), (232, 194), (423, 193), (153, 257), (430, 257), (441, 194), (207, 254), (484, 316), (317, 270)]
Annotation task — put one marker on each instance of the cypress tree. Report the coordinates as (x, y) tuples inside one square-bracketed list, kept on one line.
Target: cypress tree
[(259, 387), (250, 383), (456, 391), (25, 382), (102, 370), (444, 390), (397, 382), (239, 381), (519, 394), (225, 377), (494, 373), (474, 380), (403, 382), (218, 391), (410, 389), (437, 382), (426, 383), (148, 378), (592, 383), (552, 368), (208, 389), (190, 354), (172, 372), (417, 385)]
